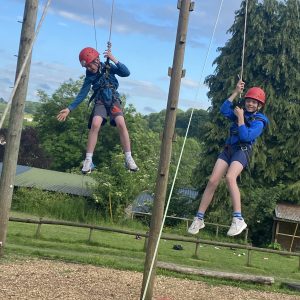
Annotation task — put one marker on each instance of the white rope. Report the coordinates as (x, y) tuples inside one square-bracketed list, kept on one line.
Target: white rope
[(180, 157), (95, 32), (111, 20), (24, 64), (244, 40)]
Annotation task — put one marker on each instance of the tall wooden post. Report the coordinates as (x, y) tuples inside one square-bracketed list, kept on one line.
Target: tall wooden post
[(176, 73), (16, 119)]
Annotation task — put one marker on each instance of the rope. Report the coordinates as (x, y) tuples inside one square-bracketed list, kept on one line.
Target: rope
[(95, 31), (24, 63), (107, 65), (244, 41), (110, 27), (180, 156)]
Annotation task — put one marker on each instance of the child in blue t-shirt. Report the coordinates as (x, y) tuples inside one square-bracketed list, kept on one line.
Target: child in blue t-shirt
[(248, 124)]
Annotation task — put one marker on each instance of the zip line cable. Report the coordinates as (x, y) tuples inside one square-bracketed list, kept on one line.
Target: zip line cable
[(24, 63), (180, 157), (95, 32)]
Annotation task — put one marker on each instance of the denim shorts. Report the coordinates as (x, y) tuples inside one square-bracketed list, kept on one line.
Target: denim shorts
[(236, 153), (104, 112)]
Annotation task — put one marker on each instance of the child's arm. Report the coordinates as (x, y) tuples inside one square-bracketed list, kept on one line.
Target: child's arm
[(119, 68), (63, 114), (226, 107)]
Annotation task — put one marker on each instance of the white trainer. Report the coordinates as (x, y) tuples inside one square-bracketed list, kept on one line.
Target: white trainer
[(237, 226), (196, 226), (88, 166), (131, 165)]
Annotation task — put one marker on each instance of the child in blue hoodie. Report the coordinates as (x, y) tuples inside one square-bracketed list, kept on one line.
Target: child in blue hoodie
[(101, 78), (247, 125)]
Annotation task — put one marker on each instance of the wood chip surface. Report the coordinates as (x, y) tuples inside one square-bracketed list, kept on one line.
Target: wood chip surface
[(45, 280)]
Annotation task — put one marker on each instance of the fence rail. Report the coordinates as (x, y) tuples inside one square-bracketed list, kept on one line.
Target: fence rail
[(196, 241)]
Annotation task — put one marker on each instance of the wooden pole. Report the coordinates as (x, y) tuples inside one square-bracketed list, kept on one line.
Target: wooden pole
[(110, 207), (16, 119), (292, 242), (176, 73)]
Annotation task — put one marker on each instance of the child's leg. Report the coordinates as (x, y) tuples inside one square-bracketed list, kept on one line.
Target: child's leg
[(234, 171), (218, 172), (125, 142), (93, 134), (238, 224), (124, 135)]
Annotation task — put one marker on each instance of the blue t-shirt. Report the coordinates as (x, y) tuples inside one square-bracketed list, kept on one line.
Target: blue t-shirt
[(248, 132)]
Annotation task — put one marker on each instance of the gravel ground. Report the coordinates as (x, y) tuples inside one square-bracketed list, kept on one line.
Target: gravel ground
[(45, 279)]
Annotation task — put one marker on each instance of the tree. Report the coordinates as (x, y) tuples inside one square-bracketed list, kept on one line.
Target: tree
[(272, 62), (63, 141), (30, 152), (196, 130)]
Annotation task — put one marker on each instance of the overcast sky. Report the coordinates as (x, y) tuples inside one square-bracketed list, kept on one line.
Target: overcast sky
[(143, 38)]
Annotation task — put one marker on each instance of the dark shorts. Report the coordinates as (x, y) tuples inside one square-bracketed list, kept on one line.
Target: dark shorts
[(101, 110), (236, 153)]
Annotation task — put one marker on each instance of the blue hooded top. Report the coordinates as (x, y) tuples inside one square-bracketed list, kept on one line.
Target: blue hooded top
[(245, 134), (94, 80)]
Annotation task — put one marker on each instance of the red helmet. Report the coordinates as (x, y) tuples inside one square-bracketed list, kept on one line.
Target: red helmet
[(87, 55), (256, 93)]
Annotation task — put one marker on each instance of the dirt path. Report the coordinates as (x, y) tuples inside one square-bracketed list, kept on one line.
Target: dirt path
[(45, 280)]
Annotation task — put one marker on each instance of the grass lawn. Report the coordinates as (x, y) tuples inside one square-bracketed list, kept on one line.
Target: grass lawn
[(125, 252)]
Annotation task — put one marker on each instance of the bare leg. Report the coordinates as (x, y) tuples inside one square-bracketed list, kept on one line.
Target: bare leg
[(218, 172), (93, 134), (124, 136), (234, 171)]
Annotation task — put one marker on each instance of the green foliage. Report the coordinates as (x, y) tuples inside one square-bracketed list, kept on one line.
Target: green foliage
[(55, 205), (275, 246), (31, 107), (62, 140), (114, 180), (197, 127)]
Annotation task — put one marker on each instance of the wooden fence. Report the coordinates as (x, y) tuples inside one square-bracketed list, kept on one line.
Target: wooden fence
[(197, 242)]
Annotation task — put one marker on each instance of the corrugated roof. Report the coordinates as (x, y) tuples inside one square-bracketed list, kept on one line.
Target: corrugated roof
[(53, 181), (289, 212)]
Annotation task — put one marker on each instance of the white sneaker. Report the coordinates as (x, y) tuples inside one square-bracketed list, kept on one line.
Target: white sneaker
[(196, 226), (88, 166), (237, 226), (131, 165)]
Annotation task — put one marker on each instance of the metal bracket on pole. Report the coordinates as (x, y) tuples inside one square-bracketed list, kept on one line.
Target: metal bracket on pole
[(192, 6), (182, 39), (170, 72), (179, 4)]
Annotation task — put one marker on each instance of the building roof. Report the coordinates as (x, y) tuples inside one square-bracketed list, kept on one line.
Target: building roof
[(61, 182), (289, 212)]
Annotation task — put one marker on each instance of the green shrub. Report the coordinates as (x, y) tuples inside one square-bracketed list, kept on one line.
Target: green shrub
[(55, 205)]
